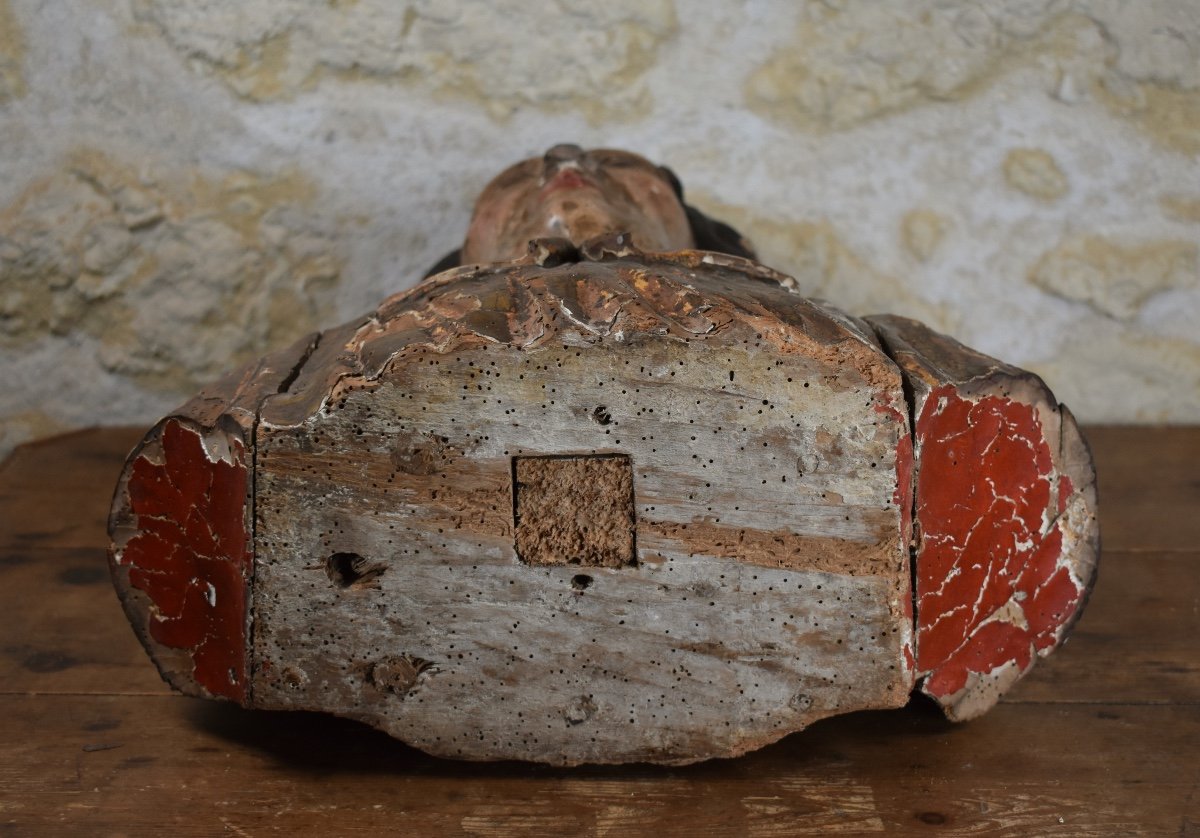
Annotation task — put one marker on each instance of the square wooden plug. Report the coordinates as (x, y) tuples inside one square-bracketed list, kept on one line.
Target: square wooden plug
[(574, 510)]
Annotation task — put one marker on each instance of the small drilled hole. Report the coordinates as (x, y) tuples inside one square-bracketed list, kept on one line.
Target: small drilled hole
[(580, 581), (348, 570)]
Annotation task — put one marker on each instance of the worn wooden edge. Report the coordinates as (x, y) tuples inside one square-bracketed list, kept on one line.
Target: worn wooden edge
[(180, 530), (239, 394), (1000, 577), (1081, 519), (608, 247), (329, 359), (602, 288)]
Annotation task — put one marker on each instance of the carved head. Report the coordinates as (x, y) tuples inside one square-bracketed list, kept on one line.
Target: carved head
[(577, 195)]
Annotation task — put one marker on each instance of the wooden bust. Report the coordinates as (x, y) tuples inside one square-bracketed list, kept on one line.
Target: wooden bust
[(607, 491)]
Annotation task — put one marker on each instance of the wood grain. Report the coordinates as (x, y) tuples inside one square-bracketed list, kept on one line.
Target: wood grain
[(1102, 735), (758, 577)]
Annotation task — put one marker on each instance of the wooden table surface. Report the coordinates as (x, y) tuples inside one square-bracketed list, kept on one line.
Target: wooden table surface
[(1101, 739)]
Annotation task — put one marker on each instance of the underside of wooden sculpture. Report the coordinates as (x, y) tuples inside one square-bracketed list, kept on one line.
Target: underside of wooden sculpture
[(603, 496)]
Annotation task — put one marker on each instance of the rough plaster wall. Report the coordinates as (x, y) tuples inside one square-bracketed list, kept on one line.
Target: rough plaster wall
[(184, 185)]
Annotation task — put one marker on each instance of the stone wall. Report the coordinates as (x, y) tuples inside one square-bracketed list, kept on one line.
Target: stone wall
[(186, 185)]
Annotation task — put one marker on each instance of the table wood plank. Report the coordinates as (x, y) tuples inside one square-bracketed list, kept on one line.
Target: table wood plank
[(143, 765), (62, 628), (1149, 480), (56, 492)]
